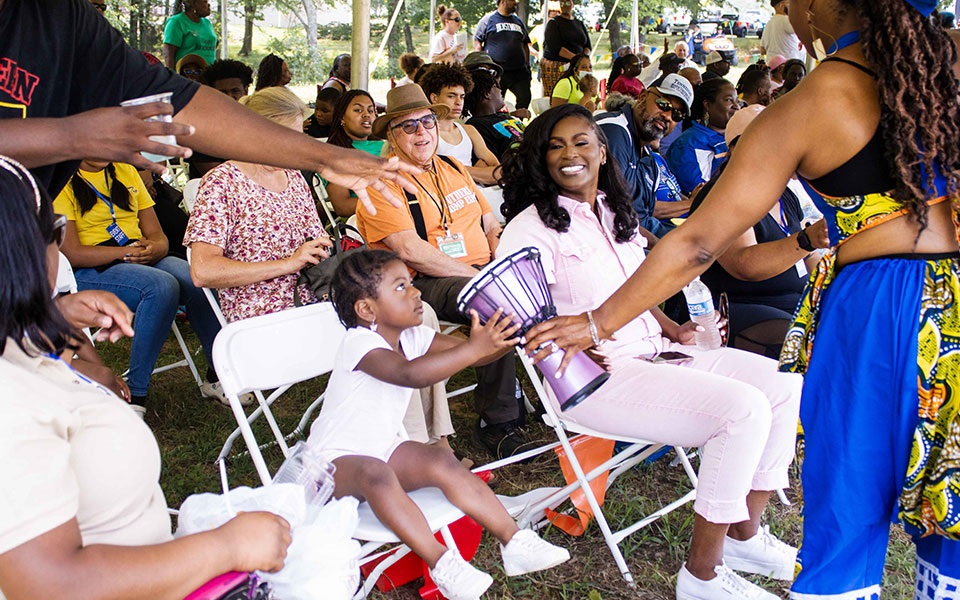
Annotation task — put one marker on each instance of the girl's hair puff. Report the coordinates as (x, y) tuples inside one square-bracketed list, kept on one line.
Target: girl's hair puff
[(357, 277)]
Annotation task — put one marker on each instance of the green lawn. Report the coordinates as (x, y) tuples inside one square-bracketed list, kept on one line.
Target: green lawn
[(191, 430)]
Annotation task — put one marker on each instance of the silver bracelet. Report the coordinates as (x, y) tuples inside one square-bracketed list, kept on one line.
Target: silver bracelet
[(594, 333)]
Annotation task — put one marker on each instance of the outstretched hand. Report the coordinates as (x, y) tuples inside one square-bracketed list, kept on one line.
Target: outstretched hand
[(364, 171), (569, 334), (95, 308), (496, 335), (122, 133)]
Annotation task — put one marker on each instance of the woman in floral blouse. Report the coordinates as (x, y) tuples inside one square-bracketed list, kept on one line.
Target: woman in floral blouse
[(254, 227)]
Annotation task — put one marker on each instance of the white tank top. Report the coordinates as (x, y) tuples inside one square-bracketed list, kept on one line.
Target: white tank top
[(462, 151)]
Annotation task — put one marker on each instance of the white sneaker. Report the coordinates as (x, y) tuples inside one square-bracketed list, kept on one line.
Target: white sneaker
[(140, 411), (762, 554), (527, 552), (726, 585), (215, 390), (457, 579)]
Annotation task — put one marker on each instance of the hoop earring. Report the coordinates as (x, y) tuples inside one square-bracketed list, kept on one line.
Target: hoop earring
[(373, 325), (818, 48)]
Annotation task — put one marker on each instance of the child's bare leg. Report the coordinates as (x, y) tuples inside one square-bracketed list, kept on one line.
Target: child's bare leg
[(418, 466), (373, 480)]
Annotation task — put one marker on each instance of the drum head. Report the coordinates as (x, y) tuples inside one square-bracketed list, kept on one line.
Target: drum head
[(515, 283)]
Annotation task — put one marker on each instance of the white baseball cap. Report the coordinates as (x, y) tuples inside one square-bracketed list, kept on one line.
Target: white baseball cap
[(678, 87)]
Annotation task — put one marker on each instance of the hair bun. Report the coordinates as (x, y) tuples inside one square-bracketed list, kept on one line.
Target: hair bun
[(440, 10)]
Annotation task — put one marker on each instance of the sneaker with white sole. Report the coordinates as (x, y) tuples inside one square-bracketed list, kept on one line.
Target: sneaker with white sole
[(457, 579), (215, 390), (527, 552), (727, 585), (139, 410), (762, 554)]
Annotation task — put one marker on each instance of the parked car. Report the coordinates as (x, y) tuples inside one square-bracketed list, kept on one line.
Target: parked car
[(675, 21), (750, 22)]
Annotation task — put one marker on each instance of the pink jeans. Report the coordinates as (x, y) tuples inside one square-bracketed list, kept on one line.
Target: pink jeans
[(733, 405)]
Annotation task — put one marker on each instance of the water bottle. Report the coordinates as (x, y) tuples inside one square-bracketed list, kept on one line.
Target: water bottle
[(700, 307)]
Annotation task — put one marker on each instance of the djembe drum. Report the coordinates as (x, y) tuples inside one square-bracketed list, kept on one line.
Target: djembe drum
[(516, 283)]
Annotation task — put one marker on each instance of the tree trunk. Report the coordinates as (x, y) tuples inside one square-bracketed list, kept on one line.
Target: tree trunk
[(249, 14), (523, 11), (408, 38), (613, 29), (135, 24), (310, 10)]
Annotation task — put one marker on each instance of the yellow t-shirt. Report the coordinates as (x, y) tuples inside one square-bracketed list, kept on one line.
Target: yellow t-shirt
[(92, 225), (567, 88), (464, 204)]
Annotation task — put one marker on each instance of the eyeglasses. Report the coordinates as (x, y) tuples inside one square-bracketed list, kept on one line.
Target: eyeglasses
[(59, 232), (410, 126), (457, 19), (190, 71), (101, 6), (663, 104)]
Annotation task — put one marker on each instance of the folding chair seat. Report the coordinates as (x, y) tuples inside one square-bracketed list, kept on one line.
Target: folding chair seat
[(278, 350), (637, 452)]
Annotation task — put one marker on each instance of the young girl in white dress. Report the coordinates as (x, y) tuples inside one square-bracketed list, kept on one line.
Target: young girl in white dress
[(386, 352)]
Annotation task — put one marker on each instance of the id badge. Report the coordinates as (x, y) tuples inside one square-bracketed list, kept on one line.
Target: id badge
[(452, 245), (117, 234), (801, 268)]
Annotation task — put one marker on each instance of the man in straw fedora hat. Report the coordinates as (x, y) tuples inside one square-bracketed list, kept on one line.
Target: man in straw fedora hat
[(445, 232)]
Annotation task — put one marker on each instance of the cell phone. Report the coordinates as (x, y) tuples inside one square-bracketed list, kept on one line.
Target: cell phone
[(672, 357)]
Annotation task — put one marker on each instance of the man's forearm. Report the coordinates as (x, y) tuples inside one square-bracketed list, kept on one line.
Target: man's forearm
[(250, 137), (36, 142), (424, 258)]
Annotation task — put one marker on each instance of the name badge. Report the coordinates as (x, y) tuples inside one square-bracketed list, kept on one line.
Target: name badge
[(801, 268), (452, 245), (117, 234)]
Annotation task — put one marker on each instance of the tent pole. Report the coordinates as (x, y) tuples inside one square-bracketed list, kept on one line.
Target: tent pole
[(223, 28), (360, 46), (386, 35), (635, 28)]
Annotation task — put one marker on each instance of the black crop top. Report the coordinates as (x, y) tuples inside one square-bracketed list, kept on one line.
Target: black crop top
[(867, 172)]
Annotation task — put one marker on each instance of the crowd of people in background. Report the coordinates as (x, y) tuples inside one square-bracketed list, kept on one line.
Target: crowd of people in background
[(663, 158)]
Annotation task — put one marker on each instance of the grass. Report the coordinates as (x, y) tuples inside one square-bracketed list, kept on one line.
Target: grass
[(191, 430)]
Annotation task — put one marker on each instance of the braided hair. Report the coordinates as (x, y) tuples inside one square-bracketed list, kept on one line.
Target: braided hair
[(919, 107), (526, 181), (357, 277)]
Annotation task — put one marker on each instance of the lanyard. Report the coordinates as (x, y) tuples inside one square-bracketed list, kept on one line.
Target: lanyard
[(848, 39), (782, 222), (442, 208), (106, 201)]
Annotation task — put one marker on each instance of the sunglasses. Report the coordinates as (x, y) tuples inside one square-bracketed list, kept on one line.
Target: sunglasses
[(410, 126), (663, 104), (457, 19), (101, 6), (59, 232)]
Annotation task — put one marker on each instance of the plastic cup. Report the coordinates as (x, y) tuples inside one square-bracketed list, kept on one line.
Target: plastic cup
[(163, 139)]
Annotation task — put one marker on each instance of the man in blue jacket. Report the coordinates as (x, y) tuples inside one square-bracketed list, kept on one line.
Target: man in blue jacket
[(631, 132)]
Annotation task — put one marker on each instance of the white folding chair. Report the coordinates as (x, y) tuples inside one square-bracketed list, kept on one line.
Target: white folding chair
[(638, 451), (278, 350), (190, 191)]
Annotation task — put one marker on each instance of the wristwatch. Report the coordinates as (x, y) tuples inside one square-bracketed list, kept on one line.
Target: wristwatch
[(804, 240)]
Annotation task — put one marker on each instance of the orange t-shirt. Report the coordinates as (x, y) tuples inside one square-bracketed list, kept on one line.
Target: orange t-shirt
[(458, 197)]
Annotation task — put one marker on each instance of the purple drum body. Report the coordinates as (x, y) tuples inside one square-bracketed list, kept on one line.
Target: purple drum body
[(518, 284)]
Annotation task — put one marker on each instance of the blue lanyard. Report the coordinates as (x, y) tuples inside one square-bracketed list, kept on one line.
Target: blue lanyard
[(848, 39), (106, 200), (782, 223)]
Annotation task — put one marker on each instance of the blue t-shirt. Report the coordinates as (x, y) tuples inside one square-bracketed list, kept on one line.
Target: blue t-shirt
[(505, 40)]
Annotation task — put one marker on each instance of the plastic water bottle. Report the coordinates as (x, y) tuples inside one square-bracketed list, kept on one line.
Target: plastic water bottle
[(700, 307)]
